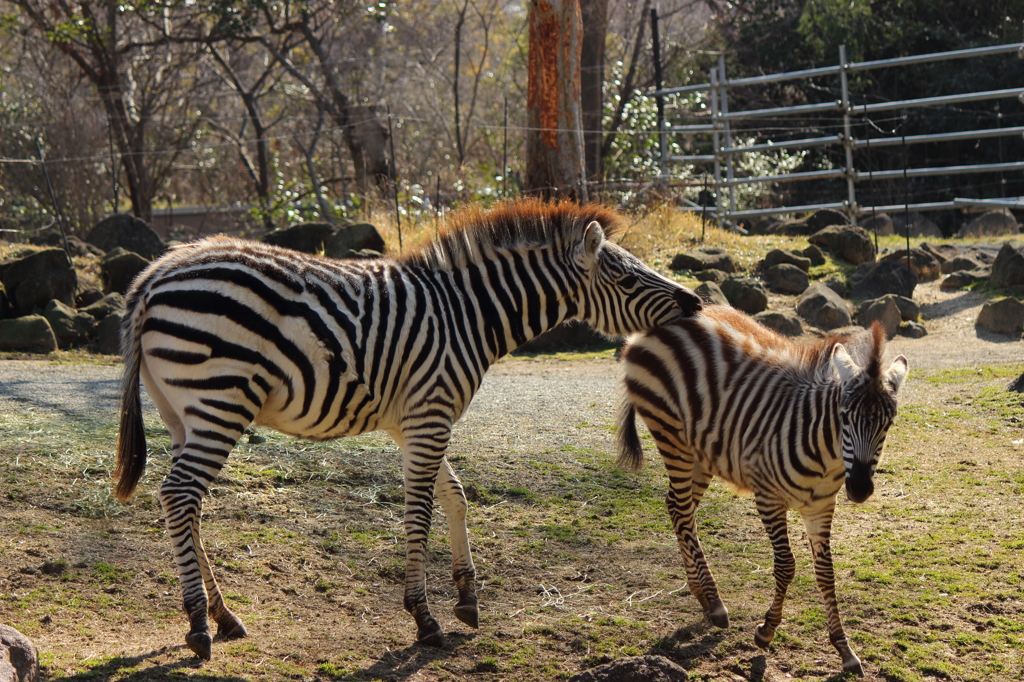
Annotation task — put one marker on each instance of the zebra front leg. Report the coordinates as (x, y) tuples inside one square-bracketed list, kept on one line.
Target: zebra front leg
[(422, 454), (819, 530), (773, 515), (453, 501)]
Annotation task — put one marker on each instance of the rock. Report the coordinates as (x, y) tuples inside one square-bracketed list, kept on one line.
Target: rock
[(1017, 385), (874, 280), (358, 237), (786, 324), (879, 224), (983, 256), (884, 311), (838, 285), (87, 296), (808, 226), (634, 669), (571, 335), (70, 326), (909, 310), (118, 268), (777, 256), (108, 334), (710, 275), (764, 225), (128, 232), (942, 252), (19, 657), (30, 333), (35, 280), (76, 246), (925, 265), (304, 237), (711, 293), (823, 308), (850, 243), (111, 303), (814, 254), (996, 223), (825, 217), (961, 263), (913, 330), (704, 258), (1007, 268), (746, 294), (362, 254), (786, 279), (1002, 316), (920, 226), (961, 279), (5, 305)]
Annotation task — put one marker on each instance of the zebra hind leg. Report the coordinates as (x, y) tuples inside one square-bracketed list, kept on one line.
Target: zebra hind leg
[(453, 501), (773, 516)]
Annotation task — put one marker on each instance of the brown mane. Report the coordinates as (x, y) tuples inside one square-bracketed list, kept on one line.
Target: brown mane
[(470, 232)]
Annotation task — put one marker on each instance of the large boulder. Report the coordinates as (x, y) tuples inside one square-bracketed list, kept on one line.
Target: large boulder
[(19, 657), (570, 335), (1008, 267), (35, 280), (777, 256), (746, 294), (1002, 316), (710, 275), (926, 266), (111, 303), (704, 258), (879, 224), (359, 238), (304, 237), (814, 254), (70, 326), (850, 243), (634, 669), (128, 232), (996, 223), (884, 311), (108, 334), (874, 280), (711, 293), (920, 226), (823, 308), (802, 228), (942, 252), (958, 263), (784, 323), (785, 278), (5, 305), (29, 334), (119, 268), (75, 245), (961, 279)]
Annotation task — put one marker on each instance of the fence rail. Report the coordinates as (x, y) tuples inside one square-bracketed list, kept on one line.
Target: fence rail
[(724, 151)]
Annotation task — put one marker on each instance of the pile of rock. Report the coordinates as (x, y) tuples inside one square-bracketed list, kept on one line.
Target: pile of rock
[(45, 305)]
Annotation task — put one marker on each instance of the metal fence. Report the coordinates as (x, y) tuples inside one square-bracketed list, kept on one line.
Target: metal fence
[(725, 151)]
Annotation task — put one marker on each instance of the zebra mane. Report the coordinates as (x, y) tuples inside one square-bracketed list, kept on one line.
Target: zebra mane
[(866, 347), (471, 232)]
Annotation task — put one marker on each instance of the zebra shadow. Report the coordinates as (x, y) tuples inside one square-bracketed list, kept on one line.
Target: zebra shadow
[(120, 664), (404, 663)]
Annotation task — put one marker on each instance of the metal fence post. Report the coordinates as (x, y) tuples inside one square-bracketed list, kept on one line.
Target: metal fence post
[(851, 196), (723, 92), (659, 100), (716, 145)]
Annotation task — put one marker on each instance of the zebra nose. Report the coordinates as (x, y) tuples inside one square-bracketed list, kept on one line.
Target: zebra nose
[(859, 483), (688, 301)]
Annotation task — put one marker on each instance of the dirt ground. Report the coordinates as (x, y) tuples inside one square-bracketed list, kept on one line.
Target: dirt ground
[(577, 564)]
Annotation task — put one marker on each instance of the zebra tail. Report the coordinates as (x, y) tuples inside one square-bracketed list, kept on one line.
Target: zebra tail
[(131, 438), (631, 451)]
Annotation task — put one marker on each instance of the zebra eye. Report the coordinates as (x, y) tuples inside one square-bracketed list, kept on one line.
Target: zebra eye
[(628, 282)]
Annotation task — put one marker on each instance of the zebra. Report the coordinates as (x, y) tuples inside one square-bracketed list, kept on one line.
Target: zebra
[(725, 396), (225, 333)]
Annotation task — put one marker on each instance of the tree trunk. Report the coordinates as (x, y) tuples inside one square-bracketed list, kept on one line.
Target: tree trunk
[(367, 140), (595, 29), (554, 140)]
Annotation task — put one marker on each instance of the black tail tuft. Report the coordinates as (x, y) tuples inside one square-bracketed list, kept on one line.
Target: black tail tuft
[(131, 438), (631, 451)]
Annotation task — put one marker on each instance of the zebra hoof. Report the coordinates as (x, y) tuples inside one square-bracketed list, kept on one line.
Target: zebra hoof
[(430, 636), (468, 614), (231, 629), (763, 636), (201, 644), (852, 665), (719, 617)]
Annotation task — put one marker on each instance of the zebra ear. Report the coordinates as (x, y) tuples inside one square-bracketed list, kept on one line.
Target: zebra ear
[(896, 373), (844, 364), (593, 238)]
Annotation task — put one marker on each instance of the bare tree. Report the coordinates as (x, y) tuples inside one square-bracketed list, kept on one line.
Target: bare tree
[(554, 140)]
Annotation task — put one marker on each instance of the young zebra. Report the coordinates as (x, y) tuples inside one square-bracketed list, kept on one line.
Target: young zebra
[(724, 396), (227, 333)]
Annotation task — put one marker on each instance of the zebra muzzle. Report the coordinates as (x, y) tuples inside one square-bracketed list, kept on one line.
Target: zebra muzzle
[(859, 482), (688, 301)]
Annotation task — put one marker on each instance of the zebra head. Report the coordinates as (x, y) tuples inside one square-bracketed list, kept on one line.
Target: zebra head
[(867, 408), (621, 295)]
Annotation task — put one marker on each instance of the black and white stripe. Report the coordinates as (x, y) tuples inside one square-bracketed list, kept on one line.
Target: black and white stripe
[(227, 333), (724, 396)]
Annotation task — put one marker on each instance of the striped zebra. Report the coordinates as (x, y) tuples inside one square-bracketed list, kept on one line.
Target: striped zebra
[(226, 333), (724, 396)]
